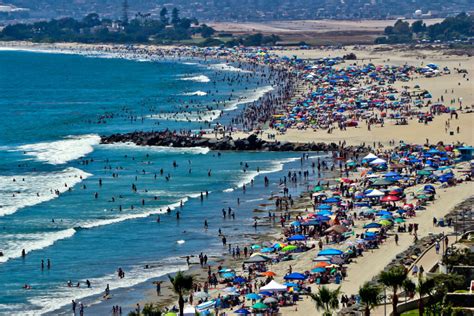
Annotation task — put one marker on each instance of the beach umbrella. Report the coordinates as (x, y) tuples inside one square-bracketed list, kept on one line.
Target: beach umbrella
[(324, 213), (295, 223), (390, 198), (270, 300), (268, 273), (323, 218), (268, 249), (399, 220), (268, 293), (255, 247), (330, 252), (321, 259), (332, 200), (171, 314), (253, 296), (382, 213), (373, 230), (337, 260), (201, 295), (321, 264), (289, 248), (297, 238), (385, 222), (324, 207), (240, 280), (295, 276), (372, 225), (318, 188), (242, 311), (382, 182), (257, 259), (423, 173), (291, 284), (318, 270), (392, 174), (228, 275), (259, 305)]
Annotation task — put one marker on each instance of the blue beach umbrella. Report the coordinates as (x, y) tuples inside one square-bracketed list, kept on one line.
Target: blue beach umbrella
[(228, 275), (295, 276), (291, 284), (297, 238), (239, 280), (372, 225), (253, 296), (318, 270), (242, 311), (324, 207), (330, 252)]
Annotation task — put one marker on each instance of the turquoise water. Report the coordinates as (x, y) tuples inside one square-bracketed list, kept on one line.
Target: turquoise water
[(66, 198)]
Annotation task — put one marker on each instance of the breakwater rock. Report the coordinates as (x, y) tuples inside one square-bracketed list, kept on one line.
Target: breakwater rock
[(252, 142)]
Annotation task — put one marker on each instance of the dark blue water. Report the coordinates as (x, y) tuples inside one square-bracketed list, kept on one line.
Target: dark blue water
[(92, 208)]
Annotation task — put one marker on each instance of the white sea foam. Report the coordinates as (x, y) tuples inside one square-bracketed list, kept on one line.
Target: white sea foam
[(249, 98), (62, 295), (34, 188), (196, 93), (61, 151), (207, 116), (199, 78), (163, 149), (13, 244), (248, 176), (141, 214), (227, 67)]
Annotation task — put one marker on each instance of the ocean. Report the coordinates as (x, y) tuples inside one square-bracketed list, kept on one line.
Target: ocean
[(93, 208)]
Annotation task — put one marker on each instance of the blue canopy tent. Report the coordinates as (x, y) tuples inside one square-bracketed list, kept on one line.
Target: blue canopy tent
[(295, 276)]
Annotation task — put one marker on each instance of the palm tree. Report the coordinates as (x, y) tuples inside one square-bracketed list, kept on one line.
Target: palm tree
[(369, 296), (424, 287), (409, 287), (393, 278), (181, 285), (326, 299)]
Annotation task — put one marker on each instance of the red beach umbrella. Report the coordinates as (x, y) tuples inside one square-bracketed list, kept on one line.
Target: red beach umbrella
[(390, 198)]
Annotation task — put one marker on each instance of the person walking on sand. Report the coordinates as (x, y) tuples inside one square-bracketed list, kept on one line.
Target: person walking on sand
[(396, 239)]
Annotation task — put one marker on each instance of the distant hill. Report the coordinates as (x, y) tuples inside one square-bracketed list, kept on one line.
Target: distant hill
[(242, 10)]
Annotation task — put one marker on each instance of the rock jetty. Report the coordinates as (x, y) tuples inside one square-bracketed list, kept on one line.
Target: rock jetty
[(252, 142)]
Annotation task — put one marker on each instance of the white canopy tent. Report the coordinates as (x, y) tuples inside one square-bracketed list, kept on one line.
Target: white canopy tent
[(378, 161), (273, 287), (370, 156), (375, 193)]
